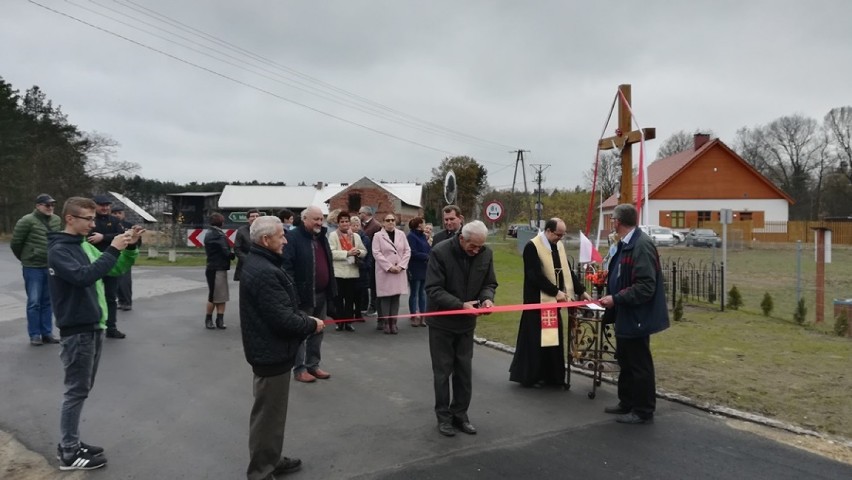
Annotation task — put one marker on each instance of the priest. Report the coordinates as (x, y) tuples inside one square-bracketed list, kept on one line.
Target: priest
[(540, 351)]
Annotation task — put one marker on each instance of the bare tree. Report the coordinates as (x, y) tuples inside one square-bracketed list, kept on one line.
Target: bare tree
[(100, 150), (609, 174), (838, 124), (680, 141)]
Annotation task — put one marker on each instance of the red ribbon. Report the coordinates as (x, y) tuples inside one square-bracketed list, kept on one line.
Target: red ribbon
[(479, 311)]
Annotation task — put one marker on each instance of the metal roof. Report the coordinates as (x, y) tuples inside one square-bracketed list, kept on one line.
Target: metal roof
[(275, 196), (136, 208)]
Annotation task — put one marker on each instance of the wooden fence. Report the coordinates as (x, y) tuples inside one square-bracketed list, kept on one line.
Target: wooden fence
[(785, 232)]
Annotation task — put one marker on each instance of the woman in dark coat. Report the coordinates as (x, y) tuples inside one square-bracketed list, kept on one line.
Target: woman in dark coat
[(420, 249)]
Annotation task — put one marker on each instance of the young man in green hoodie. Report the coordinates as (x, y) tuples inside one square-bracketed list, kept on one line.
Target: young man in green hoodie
[(76, 271)]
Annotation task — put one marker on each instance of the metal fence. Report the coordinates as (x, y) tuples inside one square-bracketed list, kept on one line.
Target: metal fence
[(693, 281)]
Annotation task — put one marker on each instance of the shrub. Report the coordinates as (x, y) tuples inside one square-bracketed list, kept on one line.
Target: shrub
[(678, 310), (841, 324), (711, 295), (801, 312), (735, 300), (766, 305)]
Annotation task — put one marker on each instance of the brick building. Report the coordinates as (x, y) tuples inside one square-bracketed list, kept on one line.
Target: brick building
[(401, 199)]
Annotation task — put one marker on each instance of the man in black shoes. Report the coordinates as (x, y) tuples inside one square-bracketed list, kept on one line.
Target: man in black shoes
[(272, 329), (459, 275), (125, 282), (76, 292), (637, 302), (106, 228)]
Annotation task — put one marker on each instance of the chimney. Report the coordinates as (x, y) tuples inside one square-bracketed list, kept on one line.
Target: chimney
[(700, 139), (319, 185)]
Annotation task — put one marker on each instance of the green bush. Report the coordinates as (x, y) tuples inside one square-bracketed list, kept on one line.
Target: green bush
[(766, 305), (841, 324), (711, 295), (735, 300), (678, 310), (801, 312)]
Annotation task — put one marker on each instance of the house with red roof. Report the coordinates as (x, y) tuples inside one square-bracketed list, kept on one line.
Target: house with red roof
[(691, 187)]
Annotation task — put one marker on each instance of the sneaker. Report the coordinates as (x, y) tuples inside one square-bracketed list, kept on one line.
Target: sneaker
[(48, 339), (36, 340), (348, 327), (81, 461), (92, 450), (287, 465), (114, 333)]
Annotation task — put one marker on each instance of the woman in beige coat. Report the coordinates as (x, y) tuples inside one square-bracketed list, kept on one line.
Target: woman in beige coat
[(346, 250)]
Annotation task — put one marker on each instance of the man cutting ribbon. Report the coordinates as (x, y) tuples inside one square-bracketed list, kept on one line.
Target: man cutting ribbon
[(539, 352)]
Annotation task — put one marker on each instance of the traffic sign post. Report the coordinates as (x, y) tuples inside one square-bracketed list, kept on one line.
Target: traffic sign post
[(494, 211)]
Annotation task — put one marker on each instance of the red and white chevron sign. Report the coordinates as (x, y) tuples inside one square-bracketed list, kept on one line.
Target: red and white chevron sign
[(195, 236)]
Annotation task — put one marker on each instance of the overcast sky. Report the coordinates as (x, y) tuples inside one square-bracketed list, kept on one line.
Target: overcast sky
[(222, 102)]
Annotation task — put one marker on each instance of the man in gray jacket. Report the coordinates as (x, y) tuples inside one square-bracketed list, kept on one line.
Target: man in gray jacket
[(459, 276)]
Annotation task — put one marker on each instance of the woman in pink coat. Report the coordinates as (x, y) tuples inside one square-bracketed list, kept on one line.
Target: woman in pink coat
[(391, 253)]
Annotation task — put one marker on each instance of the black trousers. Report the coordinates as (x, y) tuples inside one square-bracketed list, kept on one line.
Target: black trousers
[(346, 299), (452, 360), (637, 389), (125, 289), (110, 292)]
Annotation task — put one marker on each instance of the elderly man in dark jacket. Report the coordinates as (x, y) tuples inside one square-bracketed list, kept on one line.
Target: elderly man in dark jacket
[(637, 302), (459, 275), (307, 259), (272, 329)]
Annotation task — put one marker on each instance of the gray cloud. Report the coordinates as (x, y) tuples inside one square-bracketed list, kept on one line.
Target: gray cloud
[(535, 75)]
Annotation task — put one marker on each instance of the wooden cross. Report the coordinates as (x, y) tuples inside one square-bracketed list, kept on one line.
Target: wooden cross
[(623, 141)]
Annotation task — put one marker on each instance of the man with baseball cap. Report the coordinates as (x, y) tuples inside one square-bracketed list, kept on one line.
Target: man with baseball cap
[(106, 229), (29, 244)]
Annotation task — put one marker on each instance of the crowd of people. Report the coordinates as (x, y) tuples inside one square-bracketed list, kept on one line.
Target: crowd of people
[(295, 273)]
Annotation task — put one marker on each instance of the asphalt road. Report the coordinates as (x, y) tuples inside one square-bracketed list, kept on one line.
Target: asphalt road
[(172, 400)]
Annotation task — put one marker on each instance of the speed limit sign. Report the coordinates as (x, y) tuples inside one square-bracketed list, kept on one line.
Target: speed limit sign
[(494, 210)]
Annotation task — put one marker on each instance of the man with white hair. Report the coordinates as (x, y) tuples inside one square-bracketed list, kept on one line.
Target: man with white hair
[(307, 259), (459, 276), (272, 327)]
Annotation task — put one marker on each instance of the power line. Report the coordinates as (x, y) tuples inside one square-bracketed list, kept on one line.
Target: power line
[(240, 82), (376, 107), (311, 90)]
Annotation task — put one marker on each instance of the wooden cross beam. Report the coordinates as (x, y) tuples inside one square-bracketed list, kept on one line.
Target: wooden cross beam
[(623, 141)]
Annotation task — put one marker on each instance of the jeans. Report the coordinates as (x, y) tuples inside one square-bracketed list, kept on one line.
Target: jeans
[(80, 356), (308, 356), (39, 311), (417, 299)]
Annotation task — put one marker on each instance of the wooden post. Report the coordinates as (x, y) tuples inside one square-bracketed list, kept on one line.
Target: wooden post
[(623, 141)]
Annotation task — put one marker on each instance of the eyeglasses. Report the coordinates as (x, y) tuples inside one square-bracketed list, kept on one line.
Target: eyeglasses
[(390, 219), (88, 219)]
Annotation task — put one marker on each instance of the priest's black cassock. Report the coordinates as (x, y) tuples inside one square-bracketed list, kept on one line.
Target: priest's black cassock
[(532, 363)]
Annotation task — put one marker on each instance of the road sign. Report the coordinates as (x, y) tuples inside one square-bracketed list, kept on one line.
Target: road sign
[(195, 236), (238, 217), (494, 210)]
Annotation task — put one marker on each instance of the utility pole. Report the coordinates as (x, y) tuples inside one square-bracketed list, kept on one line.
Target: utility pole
[(518, 160), (539, 169)]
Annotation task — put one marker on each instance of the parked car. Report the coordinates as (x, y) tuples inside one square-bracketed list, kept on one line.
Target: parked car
[(513, 229), (703, 237), (660, 235)]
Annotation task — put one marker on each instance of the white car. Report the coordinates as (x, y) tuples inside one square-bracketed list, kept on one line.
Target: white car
[(662, 236)]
